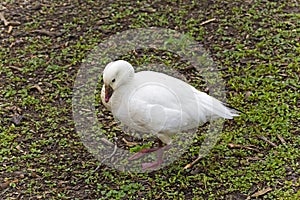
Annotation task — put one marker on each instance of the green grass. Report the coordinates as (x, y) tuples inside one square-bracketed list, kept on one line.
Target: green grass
[(255, 43)]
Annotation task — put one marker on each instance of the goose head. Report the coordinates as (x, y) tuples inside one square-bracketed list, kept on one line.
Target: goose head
[(116, 74)]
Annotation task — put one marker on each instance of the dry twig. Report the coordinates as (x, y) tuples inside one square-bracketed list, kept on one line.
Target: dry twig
[(266, 140), (260, 193), (281, 139), (38, 88), (192, 163), (113, 153), (128, 143), (9, 29), (16, 68), (208, 21), (107, 142), (252, 148), (237, 146), (47, 33), (3, 19)]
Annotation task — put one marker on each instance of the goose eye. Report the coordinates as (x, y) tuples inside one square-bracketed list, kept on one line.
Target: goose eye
[(113, 80)]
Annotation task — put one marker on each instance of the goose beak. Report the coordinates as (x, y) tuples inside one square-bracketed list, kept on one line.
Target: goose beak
[(108, 93)]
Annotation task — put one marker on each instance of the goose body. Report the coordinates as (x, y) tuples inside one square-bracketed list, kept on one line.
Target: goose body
[(152, 102)]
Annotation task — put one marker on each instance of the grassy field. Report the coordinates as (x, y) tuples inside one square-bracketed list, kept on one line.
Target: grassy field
[(254, 43)]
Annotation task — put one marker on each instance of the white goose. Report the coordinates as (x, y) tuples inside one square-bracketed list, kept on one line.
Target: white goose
[(152, 102)]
